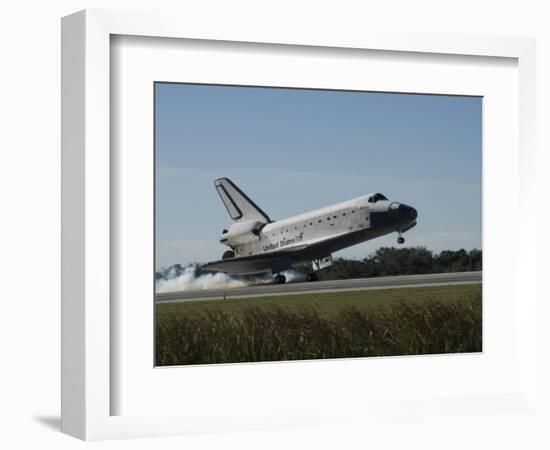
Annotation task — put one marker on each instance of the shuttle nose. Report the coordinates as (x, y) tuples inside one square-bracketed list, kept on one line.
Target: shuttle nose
[(407, 211)]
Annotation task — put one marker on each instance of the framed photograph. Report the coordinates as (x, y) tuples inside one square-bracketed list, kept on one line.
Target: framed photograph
[(267, 228), (302, 287)]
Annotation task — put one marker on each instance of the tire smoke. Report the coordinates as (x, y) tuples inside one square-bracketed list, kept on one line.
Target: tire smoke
[(193, 279)]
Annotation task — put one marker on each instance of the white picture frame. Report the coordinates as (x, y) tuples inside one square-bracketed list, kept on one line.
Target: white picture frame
[(87, 386)]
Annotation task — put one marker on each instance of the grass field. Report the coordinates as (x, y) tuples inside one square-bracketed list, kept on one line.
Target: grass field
[(408, 321)]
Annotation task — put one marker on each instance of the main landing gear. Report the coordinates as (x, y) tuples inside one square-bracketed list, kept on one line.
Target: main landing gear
[(400, 239), (312, 277), (279, 279)]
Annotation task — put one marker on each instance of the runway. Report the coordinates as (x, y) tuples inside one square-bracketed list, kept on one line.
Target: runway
[(402, 281)]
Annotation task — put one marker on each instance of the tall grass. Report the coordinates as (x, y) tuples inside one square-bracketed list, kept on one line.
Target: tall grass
[(205, 336)]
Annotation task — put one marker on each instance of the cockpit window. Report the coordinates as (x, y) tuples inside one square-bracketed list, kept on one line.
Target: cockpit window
[(374, 198)]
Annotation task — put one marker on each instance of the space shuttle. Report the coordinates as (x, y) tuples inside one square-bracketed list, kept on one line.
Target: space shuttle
[(258, 244)]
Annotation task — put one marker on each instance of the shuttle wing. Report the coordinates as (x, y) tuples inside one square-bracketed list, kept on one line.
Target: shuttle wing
[(239, 206), (263, 262), (282, 259)]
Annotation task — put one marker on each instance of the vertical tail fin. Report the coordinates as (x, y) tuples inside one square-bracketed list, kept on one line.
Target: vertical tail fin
[(238, 204)]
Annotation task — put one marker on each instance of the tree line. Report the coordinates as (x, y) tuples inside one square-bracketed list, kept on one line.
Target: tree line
[(388, 261)]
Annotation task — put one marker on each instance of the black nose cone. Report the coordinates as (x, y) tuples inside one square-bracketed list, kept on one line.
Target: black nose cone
[(407, 211)]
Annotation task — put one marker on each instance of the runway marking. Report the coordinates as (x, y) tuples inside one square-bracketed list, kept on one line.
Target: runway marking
[(356, 284)]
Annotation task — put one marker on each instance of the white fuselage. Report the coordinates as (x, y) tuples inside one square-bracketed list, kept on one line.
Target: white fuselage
[(307, 228)]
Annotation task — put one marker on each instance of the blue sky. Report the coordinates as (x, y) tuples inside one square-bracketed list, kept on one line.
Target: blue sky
[(292, 150)]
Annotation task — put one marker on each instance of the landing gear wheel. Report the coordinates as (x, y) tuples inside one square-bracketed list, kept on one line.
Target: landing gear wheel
[(312, 277), (279, 279), (400, 240)]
